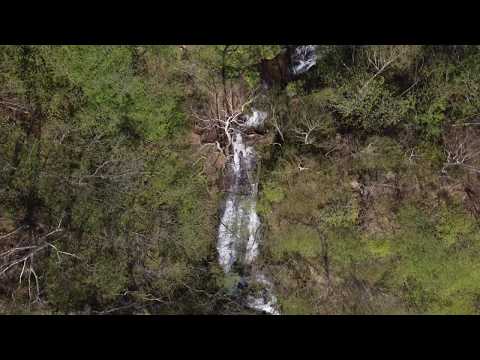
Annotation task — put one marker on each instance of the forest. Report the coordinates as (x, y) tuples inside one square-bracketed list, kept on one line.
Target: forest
[(359, 168)]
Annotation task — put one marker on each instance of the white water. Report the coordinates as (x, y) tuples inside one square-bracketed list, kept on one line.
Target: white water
[(239, 213), (256, 120), (303, 58), (266, 302), (238, 233)]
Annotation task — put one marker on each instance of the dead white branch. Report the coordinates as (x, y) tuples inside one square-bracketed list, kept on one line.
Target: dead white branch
[(305, 132), (23, 256), (381, 57), (11, 233), (462, 149)]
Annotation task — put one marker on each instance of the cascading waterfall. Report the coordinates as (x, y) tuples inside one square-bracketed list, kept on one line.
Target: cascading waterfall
[(238, 233), (239, 217)]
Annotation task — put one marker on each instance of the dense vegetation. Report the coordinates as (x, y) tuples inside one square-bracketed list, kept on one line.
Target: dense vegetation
[(110, 191)]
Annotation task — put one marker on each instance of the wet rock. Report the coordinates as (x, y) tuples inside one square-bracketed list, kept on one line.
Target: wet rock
[(209, 136), (355, 185), (242, 284), (276, 71)]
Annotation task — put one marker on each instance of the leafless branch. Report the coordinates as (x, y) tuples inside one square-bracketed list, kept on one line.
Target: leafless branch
[(462, 149), (305, 132), (24, 256), (12, 233)]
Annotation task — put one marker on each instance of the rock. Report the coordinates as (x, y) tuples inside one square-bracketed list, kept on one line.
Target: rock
[(276, 70), (355, 185), (195, 139), (209, 136)]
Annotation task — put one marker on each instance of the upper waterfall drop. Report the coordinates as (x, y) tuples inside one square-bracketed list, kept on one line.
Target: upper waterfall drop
[(303, 58)]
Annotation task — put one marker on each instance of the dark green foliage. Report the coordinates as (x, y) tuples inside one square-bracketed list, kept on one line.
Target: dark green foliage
[(101, 152)]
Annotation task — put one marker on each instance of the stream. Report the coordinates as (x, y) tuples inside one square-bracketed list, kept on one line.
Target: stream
[(239, 232)]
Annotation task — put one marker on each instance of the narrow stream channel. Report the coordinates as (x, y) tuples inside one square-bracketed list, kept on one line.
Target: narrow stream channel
[(239, 229)]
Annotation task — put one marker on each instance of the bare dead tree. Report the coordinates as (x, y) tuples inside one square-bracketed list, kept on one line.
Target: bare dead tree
[(227, 120), (275, 123), (305, 132), (224, 100), (462, 150), (381, 58), (22, 258)]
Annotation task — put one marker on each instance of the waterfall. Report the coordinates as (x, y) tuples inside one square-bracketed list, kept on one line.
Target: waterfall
[(303, 58), (238, 233)]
